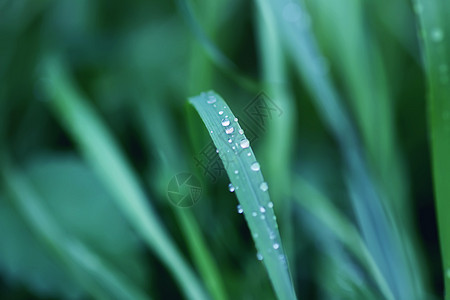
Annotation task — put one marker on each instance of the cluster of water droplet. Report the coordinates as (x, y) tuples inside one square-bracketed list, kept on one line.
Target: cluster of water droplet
[(244, 143)]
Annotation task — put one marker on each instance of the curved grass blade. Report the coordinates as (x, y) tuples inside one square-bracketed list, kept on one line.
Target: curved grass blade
[(249, 185), (102, 152), (435, 31)]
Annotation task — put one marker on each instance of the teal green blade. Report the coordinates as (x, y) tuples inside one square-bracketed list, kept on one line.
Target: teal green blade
[(435, 30), (251, 190)]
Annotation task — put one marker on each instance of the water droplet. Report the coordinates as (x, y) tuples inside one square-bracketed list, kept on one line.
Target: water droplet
[(272, 235), (230, 141), (255, 166), (217, 150), (231, 187), (235, 119), (236, 171), (263, 217), (270, 204), (264, 186), (276, 246), (241, 131), (211, 100), (259, 256), (229, 130), (244, 143), (234, 148), (255, 235), (225, 122), (254, 214), (249, 154), (221, 112), (211, 131), (262, 209), (239, 209), (437, 35)]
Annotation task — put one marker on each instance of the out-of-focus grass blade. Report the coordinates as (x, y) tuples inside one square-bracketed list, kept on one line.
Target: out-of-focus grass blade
[(280, 131), (435, 32), (214, 53), (87, 267), (101, 151), (293, 24), (352, 46), (322, 208), (248, 183), (163, 140)]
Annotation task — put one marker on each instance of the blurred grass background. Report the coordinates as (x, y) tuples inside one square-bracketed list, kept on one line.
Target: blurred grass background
[(348, 79)]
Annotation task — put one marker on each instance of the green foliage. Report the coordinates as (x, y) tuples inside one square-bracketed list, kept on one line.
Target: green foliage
[(337, 98)]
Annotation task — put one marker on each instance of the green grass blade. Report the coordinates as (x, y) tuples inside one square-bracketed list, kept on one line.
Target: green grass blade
[(160, 136), (280, 131), (102, 152), (250, 187), (435, 31), (318, 205), (88, 268)]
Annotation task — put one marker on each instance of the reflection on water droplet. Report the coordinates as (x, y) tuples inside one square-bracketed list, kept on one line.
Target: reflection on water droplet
[(241, 131), (229, 130), (217, 150), (270, 204), (211, 99), (255, 166), (259, 256), (231, 187), (244, 143), (211, 131), (264, 186), (437, 35), (276, 246), (236, 171), (262, 209), (235, 119), (221, 112), (230, 141), (239, 209), (225, 122), (249, 154)]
